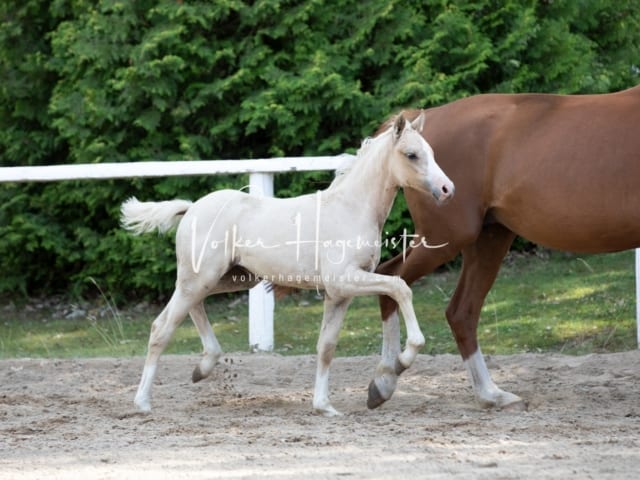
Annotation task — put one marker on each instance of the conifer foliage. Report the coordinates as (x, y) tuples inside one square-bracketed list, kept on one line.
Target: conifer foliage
[(115, 80)]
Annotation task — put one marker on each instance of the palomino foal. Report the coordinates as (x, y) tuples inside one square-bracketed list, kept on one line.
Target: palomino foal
[(329, 240)]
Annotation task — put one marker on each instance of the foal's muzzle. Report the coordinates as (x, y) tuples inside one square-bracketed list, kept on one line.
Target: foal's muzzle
[(443, 191)]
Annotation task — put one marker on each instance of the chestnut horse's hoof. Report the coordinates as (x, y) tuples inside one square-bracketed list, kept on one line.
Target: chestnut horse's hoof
[(501, 400)]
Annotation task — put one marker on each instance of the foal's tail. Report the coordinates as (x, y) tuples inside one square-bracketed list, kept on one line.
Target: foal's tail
[(141, 217)]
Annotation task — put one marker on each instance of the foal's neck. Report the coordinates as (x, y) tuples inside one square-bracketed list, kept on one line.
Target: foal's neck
[(370, 185)]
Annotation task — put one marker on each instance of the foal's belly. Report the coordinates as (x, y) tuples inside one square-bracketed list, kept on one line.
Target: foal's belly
[(310, 266)]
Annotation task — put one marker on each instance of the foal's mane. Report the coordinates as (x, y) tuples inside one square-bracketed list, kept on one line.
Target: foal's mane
[(369, 143), (367, 149)]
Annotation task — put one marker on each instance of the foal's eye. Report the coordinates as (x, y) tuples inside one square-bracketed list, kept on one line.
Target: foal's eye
[(411, 156)]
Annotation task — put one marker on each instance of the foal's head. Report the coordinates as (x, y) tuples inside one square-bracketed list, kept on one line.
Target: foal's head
[(412, 162)]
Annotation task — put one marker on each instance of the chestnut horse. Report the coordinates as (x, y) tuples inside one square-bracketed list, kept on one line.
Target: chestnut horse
[(561, 171)]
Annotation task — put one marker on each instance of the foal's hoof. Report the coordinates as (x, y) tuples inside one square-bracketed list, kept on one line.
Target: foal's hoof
[(504, 401), (142, 406), (375, 398), (517, 406), (197, 375)]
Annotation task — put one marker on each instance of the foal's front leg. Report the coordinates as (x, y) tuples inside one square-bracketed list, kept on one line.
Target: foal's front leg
[(369, 283), (334, 311), (384, 384)]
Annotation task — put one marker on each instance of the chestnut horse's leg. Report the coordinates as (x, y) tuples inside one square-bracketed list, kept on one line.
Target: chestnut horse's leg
[(481, 263)]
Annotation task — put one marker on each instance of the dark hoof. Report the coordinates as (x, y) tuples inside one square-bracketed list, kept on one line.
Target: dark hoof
[(196, 376), (399, 367), (375, 398)]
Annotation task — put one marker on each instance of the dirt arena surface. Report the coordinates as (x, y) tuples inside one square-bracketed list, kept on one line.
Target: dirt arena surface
[(253, 419)]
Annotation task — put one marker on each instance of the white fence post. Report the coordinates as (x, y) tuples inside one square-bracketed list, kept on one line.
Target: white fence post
[(261, 302), (638, 295)]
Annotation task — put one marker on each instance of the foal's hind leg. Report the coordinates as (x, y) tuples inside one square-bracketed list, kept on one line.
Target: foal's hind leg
[(162, 330), (334, 311), (234, 280), (210, 346)]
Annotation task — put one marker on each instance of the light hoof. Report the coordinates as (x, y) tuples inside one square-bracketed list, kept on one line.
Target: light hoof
[(326, 410), (504, 401), (329, 412), (517, 406), (143, 406)]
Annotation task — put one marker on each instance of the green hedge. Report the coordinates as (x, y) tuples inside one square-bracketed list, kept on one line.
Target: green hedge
[(109, 81)]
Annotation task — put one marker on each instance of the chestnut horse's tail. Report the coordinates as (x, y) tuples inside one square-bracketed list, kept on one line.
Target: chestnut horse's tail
[(142, 217)]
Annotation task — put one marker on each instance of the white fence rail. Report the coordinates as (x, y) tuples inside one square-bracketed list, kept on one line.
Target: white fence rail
[(261, 302), (94, 171)]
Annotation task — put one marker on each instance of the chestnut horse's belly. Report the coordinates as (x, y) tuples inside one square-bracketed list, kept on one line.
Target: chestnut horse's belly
[(576, 236), (583, 213), (565, 172)]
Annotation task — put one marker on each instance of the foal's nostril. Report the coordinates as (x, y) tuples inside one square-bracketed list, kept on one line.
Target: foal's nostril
[(445, 190)]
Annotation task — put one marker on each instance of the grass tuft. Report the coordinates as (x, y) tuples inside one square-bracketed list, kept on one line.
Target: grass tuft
[(111, 330)]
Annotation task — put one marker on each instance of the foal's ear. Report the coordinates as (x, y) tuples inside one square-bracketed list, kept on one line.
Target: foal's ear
[(418, 123), (398, 126)]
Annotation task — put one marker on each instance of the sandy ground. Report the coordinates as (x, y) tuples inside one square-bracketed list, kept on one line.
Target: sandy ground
[(253, 419)]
